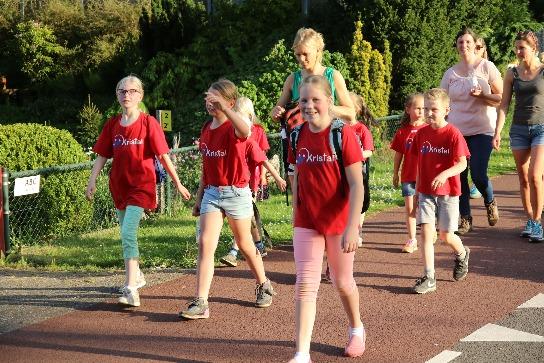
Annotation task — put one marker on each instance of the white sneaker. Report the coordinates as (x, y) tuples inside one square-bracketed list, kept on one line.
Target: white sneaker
[(140, 282), (130, 297)]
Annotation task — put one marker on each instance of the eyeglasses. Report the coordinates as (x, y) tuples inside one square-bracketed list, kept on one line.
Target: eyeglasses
[(131, 92), (479, 47)]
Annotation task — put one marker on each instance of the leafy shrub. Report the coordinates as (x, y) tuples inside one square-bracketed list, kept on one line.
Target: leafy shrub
[(60, 208)]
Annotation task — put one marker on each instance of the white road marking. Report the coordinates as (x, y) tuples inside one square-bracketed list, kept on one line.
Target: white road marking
[(497, 333), (535, 302), (444, 357)]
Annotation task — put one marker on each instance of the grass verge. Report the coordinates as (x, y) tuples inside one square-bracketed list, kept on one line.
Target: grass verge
[(169, 241)]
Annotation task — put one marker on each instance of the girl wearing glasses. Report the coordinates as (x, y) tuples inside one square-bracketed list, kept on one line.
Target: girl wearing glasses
[(132, 139), (474, 86), (526, 81)]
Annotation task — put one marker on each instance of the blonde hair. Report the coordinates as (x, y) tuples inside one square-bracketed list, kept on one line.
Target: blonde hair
[(319, 82), (226, 89), (245, 106), (138, 84), (405, 118), (438, 94), (309, 37)]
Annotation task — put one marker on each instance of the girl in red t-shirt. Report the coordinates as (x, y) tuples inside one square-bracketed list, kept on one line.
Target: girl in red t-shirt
[(410, 123), (257, 168), (224, 191), (132, 139), (326, 209), (360, 125)]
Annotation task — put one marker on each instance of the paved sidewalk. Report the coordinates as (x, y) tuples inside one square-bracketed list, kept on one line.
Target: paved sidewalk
[(505, 272)]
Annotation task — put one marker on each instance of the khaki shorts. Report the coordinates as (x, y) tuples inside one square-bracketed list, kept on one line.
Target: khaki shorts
[(445, 207)]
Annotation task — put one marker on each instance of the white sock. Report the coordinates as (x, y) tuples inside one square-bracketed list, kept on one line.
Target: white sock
[(356, 331), (302, 357)]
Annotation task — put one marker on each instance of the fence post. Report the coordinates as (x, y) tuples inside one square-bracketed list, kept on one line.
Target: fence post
[(4, 210)]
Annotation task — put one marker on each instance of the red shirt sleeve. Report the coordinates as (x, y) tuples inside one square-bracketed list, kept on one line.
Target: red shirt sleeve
[(104, 144), (157, 140), (398, 142), (351, 151), (366, 139)]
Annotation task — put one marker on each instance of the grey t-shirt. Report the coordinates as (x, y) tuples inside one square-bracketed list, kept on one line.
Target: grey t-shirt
[(529, 109)]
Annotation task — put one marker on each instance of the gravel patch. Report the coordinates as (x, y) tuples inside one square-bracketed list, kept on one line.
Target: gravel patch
[(31, 296)]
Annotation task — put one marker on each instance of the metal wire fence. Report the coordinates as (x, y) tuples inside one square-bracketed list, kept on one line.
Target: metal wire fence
[(60, 208)]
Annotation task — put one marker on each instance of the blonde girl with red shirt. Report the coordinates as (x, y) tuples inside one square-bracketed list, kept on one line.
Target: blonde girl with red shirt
[(326, 211), (224, 191), (132, 139), (410, 123)]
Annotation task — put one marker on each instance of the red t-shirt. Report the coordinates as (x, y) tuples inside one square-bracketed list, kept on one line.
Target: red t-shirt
[(223, 156), (132, 175), (323, 195), (438, 150), (259, 136), (364, 135), (255, 158), (402, 143)]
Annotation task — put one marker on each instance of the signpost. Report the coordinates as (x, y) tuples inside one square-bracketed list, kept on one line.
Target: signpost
[(165, 119)]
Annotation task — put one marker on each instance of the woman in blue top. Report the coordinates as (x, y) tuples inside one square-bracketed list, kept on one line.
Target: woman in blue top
[(308, 47)]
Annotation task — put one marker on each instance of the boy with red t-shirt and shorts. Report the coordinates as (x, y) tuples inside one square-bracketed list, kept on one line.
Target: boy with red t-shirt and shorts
[(442, 155)]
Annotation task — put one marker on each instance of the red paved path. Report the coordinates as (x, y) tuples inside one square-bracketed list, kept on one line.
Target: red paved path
[(505, 271)]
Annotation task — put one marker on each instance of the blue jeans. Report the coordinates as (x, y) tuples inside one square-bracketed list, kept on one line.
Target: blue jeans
[(480, 151)]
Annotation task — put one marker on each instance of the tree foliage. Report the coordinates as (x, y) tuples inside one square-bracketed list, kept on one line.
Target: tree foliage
[(38, 51), (371, 72)]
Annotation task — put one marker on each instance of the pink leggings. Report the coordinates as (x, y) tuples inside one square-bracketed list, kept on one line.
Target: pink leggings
[(309, 247)]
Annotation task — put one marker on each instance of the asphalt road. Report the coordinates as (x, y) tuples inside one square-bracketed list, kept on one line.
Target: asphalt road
[(476, 320)]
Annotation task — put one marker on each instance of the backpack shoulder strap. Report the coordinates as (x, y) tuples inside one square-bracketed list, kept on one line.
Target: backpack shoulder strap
[(293, 137), (335, 139)]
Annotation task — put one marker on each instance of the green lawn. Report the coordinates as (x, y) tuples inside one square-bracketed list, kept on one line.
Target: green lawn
[(169, 241)]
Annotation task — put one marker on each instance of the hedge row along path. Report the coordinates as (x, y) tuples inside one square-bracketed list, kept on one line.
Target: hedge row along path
[(505, 272)]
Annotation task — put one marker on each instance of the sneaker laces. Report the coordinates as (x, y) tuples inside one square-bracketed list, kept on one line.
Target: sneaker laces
[(260, 290), (195, 302)]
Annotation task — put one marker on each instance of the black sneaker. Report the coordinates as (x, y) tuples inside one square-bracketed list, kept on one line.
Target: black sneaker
[(424, 285), (461, 266), (264, 293)]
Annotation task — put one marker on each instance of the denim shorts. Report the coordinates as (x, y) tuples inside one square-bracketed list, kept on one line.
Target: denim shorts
[(523, 137), (443, 206), (408, 189), (234, 202)]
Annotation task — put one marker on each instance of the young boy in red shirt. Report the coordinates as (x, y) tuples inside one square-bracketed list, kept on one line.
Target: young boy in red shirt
[(442, 155)]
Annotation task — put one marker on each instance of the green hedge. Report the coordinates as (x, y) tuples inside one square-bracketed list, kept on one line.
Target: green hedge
[(61, 207)]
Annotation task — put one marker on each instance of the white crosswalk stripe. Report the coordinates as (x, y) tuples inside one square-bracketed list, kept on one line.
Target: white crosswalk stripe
[(497, 333)]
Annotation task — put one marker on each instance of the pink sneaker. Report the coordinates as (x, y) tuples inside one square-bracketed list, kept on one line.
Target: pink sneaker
[(356, 346), (410, 246)]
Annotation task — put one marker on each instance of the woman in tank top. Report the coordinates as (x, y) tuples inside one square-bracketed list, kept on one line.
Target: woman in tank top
[(308, 47), (474, 85), (526, 81)]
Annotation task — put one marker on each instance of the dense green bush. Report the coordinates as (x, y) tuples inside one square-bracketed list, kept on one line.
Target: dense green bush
[(61, 207)]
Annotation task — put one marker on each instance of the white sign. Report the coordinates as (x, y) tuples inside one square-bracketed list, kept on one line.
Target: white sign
[(28, 185)]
